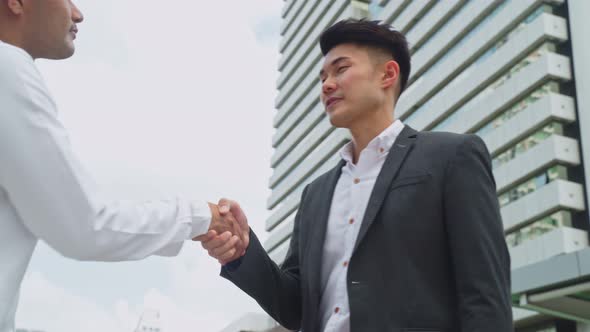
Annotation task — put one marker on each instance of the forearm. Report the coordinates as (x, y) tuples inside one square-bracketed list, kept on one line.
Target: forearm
[(120, 231), (58, 202)]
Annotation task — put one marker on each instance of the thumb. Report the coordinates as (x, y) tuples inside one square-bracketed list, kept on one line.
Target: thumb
[(225, 206)]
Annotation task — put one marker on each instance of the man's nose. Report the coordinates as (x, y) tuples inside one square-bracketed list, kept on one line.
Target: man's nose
[(77, 15), (328, 86)]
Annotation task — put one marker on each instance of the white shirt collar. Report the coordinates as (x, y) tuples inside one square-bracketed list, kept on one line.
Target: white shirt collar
[(381, 144), (17, 49)]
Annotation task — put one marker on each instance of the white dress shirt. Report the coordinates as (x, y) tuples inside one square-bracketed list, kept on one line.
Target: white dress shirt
[(349, 203), (45, 193)]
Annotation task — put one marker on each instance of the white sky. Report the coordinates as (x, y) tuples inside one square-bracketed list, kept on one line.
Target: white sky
[(161, 98)]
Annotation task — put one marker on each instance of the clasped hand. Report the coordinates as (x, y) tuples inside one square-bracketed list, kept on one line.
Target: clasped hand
[(229, 234)]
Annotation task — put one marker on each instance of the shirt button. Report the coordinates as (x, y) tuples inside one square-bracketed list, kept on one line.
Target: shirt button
[(345, 264), (336, 310), (381, 150), (351, 221), (357, 180)]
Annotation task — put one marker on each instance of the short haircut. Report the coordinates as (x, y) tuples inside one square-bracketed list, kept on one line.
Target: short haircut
[(371, 34)]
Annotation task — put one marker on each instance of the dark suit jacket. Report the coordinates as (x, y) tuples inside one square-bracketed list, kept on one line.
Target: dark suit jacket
[(430, 254)]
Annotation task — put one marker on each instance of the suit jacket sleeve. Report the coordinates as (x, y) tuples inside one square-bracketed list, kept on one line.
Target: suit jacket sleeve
[(276, 289), (481, 262)]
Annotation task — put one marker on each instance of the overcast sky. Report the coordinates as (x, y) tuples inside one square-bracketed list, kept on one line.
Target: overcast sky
[(162, 98)]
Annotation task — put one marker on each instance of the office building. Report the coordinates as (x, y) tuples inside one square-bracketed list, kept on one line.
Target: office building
[(516, 73)]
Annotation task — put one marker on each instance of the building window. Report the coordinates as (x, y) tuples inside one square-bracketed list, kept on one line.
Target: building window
[(538, 228), (519, 106), (526, 144), (525, 62), (532, 184)]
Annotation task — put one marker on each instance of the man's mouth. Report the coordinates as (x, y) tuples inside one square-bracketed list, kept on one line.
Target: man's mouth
[(331, 101)]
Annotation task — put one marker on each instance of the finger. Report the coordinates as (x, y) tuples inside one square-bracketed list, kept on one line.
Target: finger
[(246, 240), (222, 250), (224, 206), (235, 225), (231, 259), (217, 242), (210, 235), (243, 234), (228, 256), (238, 213), (243, 223)]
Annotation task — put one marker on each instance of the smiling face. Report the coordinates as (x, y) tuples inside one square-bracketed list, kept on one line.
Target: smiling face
[(49, 27), (352, 86)]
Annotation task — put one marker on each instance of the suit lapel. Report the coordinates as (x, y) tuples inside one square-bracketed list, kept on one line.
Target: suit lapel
[(397, 154), (321, 205)]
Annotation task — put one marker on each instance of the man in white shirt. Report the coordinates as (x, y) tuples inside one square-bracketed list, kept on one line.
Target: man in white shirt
[(45, 193), (405, 233)]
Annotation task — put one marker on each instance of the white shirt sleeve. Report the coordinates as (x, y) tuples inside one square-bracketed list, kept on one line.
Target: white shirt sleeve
[(55, 198)]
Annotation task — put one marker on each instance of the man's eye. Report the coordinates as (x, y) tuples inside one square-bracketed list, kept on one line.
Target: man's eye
[(343, 68)]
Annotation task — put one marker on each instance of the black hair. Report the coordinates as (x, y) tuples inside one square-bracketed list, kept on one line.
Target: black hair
[(372, 34)]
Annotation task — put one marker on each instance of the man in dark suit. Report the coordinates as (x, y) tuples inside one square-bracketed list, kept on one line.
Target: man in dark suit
[(404, 234)]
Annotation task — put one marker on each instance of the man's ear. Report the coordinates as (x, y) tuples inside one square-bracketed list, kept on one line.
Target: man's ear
[(390, 74), (15, 6)]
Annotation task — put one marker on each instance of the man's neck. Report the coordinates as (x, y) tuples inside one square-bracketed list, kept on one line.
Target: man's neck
[(364, 132), (8, 36)]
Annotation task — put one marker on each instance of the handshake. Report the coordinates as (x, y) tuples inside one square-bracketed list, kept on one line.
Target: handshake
[(229, 234)]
